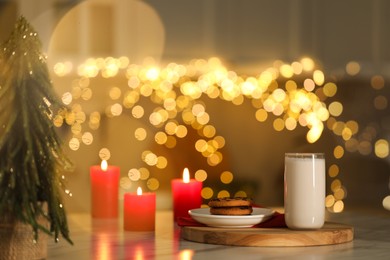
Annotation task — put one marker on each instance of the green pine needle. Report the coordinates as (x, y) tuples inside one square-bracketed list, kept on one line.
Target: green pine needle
[(31, 157)]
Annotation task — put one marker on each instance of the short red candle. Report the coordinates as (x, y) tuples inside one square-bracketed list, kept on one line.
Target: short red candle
[(104, 190), (186, 195), (139, 211)]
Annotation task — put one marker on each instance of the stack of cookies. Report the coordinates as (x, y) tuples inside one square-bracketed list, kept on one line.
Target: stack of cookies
[(235, 206)]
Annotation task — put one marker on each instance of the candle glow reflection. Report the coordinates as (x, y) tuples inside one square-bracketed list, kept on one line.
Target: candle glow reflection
[(186, 254)]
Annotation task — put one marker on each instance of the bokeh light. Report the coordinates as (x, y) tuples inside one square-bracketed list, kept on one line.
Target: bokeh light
[(288, 95)]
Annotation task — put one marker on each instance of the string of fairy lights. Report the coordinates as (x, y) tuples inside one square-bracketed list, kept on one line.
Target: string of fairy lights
[(297, 94)]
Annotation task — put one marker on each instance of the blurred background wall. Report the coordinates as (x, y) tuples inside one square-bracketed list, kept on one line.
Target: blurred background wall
[(347, 41)]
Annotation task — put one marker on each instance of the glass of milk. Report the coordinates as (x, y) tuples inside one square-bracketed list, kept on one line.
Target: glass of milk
[(304, 190)]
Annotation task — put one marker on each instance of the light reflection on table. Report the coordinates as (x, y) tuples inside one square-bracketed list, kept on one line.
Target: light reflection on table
[(106, 240)]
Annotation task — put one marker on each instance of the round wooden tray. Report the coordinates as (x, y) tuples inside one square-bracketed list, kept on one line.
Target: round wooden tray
[(329, 234)]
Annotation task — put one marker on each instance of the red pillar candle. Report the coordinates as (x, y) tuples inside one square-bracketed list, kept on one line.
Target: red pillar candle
[(104, 190), (186, 194), (139, 211)]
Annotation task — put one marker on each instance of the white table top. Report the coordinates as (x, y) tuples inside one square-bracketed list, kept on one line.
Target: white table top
[(106, 240)]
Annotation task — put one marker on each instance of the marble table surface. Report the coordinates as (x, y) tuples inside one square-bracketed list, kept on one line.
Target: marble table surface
[(106, 240)]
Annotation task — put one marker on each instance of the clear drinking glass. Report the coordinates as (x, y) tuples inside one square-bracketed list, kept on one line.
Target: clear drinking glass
[(304, 190)]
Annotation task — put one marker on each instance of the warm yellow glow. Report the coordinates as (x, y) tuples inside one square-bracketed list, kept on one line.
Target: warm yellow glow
[(144, 173), (314, 133), (170, 127), (309, 84), (248, 87), (318, 77), (261, 115), (382, 148), (223, 194), (352, 68), (139, 191), (338, 152), (220, 141), (291, 123), (176, 90), (153, 184), (307, 63), (335, 108), (140, 134), (63, 68), (297, 67), (76, 129), (209, 131), (115, 93), (103, 247), (169, 104), (134, 174), (346, 134), (201, 145), (329, 201), (291, 86), (104, 154), (333, 170), (226, 177), (286, 71), (335, 185), (151, 159), (386, 202), (104, 165), (74, 144), (278, 124), (241, 193), (162, 162), (186, 175), (201, 175), (138, 253), (67, 98), (339, 194), (186, 254), (58, 120), (160, 138), (338, 206), (198, 110), (171, 142), (125, 183), (353, 126), (207, 192), (152, 73), (181, 131), (330, 89), (214, 159), (203, 119), (279, 95)]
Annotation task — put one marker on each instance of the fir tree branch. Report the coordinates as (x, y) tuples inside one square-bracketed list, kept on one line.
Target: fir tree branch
[(30, 149)]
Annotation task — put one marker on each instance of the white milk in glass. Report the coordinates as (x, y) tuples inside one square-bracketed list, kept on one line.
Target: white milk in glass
[(304, 190)]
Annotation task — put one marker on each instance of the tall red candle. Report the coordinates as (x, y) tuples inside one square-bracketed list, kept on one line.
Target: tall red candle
[(139, 211), (104, 190), (186, 195)]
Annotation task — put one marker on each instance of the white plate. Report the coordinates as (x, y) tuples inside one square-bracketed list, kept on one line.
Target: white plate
[(258, 215)]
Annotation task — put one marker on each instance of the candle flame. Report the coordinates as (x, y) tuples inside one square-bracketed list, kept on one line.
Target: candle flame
[(139, 191), (104, 165), (186, 175)]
